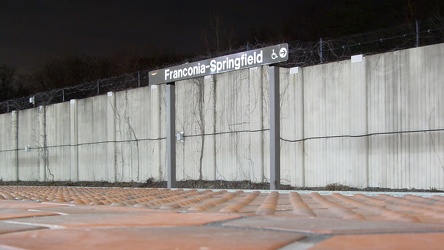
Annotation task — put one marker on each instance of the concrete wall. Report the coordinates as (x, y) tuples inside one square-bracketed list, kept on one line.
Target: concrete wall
[(372, 123), (8, 146)]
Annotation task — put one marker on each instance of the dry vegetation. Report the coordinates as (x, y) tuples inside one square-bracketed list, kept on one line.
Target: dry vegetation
[(204, 184)]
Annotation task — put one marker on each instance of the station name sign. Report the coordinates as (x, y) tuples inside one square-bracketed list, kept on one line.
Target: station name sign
[(243, 60)]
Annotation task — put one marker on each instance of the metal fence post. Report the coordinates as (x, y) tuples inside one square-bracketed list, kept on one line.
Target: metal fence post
[(321, 45)]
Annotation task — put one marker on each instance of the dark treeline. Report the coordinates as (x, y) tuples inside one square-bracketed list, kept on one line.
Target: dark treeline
[(69, 70), (309, 20)]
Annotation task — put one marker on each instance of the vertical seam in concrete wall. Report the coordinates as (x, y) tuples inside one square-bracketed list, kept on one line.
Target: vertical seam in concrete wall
[(367, 90), (111, 133), (155, 131), (15, 132), (301, 71), (74, 139), (213, 94), (262, 99), (158, 107), (43, 143)]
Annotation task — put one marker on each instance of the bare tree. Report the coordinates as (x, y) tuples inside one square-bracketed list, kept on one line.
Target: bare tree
[(11, 83), (218, 37)]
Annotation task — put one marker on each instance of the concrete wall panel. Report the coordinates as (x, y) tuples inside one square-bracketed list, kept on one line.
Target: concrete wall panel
[(232, 126), (30, 135), (58, 142), (405, 93), (8, 146), (93, 139)]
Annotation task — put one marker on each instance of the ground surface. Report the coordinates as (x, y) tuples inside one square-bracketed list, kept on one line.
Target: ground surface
[(60, 217), (150, 183)]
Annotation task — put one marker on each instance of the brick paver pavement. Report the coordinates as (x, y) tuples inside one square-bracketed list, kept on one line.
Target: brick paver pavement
[(136, 218)]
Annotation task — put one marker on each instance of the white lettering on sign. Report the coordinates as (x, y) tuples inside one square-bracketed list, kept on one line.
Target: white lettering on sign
[(184, 72), (236, 63), (215, 66)]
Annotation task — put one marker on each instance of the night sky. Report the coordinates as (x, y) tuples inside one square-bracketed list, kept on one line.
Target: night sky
[(31, 32), (34, 31)]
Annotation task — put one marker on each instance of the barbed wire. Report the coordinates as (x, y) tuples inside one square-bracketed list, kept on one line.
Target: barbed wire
[(301, 54), (384, 40)]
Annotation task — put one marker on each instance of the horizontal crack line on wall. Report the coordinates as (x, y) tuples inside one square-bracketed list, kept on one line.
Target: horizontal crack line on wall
[(364, 135), (233, 132)]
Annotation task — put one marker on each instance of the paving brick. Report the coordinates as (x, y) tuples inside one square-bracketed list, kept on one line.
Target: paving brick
[(72, 217), (428, 241), (6, 227), (128, 219), (13, 204), (79, 209), (149, 238), (16, 213), (331, 226)]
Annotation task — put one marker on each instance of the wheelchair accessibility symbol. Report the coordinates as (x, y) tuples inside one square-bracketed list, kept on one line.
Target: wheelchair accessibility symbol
[(274, 55), (282, 53)]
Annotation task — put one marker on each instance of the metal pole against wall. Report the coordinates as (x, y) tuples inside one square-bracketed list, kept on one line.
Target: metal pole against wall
[(275, 148), (171, 134)]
